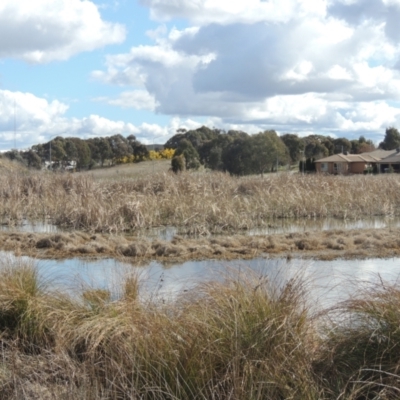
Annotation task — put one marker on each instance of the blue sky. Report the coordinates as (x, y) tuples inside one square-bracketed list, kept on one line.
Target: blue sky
[(92, 68)]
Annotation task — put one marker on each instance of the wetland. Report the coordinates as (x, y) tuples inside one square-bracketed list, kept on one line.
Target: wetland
[(199, 285)]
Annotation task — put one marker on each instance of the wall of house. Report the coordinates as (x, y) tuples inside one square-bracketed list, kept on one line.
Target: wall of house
[(357, 167), (342, 168), (318, 168)]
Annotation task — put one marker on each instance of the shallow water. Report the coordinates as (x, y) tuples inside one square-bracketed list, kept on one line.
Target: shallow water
[(276, 226), (327, 281), (31, 227), (326, 224), (279, 226)]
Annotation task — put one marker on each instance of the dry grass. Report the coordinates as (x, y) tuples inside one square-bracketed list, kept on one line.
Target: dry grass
[(318, 245), (198, 203), (239, 338), (242, 337), (360, 356)]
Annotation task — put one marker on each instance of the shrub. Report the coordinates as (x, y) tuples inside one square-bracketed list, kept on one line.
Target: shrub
[(178, 164)]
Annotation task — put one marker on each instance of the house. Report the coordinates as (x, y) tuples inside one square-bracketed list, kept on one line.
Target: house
[(354, 163), (391, 162), (60, 165)]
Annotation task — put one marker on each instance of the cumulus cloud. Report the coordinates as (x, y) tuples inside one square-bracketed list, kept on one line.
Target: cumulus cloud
[(36, 120), (317, 65), (39, 120), (137, 99), (224, 12), (45, 30)]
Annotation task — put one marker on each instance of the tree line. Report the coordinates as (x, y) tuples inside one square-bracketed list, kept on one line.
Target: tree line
[(239, 153), (85, 152), (232, 151)]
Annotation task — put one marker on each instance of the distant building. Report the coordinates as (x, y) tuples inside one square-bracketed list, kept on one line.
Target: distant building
[(60, 165), (344, 163)]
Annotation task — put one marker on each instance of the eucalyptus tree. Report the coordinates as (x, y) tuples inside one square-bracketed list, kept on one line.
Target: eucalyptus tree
[(391, 140)]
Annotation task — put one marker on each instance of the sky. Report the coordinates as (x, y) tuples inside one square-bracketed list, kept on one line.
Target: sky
[(94, 68)]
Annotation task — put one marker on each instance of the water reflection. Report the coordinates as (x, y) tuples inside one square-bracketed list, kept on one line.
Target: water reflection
[(30, 227), (326, 224), (276, 226), (279, 226), (327, 281)]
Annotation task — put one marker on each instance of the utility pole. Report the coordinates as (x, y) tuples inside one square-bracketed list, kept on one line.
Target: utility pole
[(15, 127)]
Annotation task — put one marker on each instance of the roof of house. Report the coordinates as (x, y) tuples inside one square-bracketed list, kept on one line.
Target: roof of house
[(378, 155), (393, 158), (350, 158)]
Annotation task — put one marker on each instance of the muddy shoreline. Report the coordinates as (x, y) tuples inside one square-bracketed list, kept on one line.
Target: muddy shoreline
[(325, 245)]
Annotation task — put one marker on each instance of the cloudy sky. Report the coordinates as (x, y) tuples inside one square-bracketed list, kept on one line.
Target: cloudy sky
[(91, 68)]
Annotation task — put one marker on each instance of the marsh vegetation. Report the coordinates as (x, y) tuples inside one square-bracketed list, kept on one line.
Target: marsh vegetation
[(196, 202), (243, 336), (239, 337)]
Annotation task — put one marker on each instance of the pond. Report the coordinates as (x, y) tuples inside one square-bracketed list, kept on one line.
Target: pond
[(276, 226), (327, 281), (30, 227), (287, 225)]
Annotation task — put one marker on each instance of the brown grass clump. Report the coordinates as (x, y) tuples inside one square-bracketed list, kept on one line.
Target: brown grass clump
[(199, 203), (360, 356), (322, 245), (238, 337)]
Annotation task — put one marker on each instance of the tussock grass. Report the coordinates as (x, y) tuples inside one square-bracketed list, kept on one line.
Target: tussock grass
[(241, 337), (198, 203), (324, 245), (361, 354)]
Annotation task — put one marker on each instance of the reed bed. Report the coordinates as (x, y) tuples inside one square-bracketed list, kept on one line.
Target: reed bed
[(241, 337), (197, 203)]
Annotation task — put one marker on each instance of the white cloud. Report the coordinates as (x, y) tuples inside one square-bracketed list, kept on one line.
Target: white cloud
[(137, 99), (233, 11), (292, 65), (39, 120), (41, 31)]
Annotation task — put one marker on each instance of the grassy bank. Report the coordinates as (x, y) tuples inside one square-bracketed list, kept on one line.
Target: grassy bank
[(240, 338), (198, 203), (326, 245)]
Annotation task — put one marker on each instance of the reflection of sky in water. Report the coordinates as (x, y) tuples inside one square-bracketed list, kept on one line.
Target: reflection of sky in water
[(327, 281), (31, 227), (278, 226), (325, 224), (275, 227)]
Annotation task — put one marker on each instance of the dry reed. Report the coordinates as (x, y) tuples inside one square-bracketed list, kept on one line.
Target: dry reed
[(198, 203)]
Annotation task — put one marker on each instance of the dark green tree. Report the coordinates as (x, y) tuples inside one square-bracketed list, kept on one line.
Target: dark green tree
[(237, 157), (70, 150), (294, 145), (32, 159), (83, 155), (342, 145), (119, 147), (191, 155), (178, 163), (391, 140), (139, 150), (316, 146), (267, 151)]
